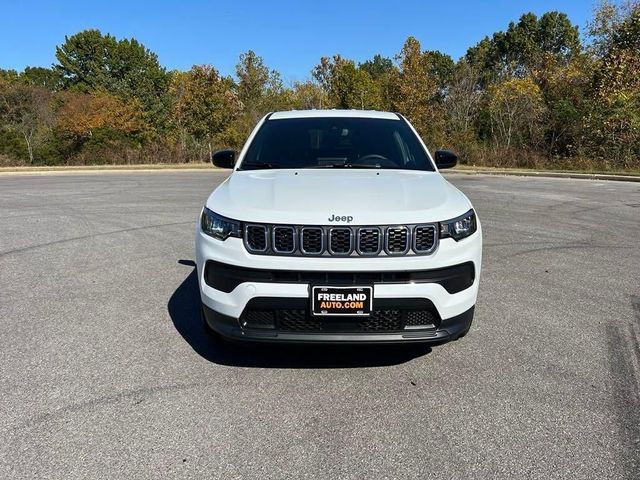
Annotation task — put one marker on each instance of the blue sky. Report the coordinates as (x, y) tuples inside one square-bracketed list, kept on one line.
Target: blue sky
[(290, 35)]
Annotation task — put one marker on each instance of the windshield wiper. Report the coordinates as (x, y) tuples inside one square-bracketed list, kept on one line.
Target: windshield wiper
[(257, 166), (342, 165), (361, 165)]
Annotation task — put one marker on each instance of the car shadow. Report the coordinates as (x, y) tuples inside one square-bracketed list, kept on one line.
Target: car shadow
[(184, 310)]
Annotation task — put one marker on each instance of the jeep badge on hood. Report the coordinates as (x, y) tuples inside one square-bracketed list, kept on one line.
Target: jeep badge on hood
[(338, 218)]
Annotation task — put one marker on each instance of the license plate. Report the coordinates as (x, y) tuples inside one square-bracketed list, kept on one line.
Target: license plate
[(341, 300)]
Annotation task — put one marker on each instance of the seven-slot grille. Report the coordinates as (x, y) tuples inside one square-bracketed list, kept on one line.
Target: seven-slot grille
[(341, 241)]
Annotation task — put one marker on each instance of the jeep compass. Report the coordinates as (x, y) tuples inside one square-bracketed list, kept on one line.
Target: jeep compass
[(336, 226)]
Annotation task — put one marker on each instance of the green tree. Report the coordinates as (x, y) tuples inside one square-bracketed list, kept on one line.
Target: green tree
[(9, 75), (26, 110), (48, 78), (521, 49), (381, 70), (346, 85), (90, 61), (516, 107), (378, 67)]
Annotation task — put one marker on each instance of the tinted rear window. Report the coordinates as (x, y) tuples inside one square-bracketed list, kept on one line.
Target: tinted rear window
[(336, 142)]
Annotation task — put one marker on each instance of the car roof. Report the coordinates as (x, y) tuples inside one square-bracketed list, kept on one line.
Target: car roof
[(334, 113)]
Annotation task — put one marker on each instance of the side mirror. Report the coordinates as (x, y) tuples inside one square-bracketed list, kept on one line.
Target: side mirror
[(224, 158), (446, 159)]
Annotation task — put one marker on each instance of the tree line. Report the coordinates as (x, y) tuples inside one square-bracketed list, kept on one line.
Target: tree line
[(534, 95)]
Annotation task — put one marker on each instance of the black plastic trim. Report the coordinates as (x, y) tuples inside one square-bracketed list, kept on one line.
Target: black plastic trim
[(449, 329), (226, 278)]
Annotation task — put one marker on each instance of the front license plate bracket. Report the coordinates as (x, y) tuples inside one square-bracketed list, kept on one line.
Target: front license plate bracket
[(340, 301)]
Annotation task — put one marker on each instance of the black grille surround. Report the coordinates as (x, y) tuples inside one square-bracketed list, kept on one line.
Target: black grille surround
[(397, 240), (312, 240), (283, 239), (423, 238), (256, 238), (340, 241), (369, 241), (343, 241)]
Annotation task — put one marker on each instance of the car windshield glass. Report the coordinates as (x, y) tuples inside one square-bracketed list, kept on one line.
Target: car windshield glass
[(336, 143)]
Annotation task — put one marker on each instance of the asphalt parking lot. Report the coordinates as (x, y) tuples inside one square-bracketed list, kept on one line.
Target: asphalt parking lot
[(106, 371)]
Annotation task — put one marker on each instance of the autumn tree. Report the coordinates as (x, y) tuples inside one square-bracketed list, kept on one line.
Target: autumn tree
[(531, 91), (83, 115), (613, 121), (259, 89), (418, 89), (346, 85), (307, 95), (204, 104)]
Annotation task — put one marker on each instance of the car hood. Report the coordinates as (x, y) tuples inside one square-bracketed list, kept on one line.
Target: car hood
[(313, 197)]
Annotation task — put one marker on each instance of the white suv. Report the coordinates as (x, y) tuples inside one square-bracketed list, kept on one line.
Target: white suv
[(335, 226)]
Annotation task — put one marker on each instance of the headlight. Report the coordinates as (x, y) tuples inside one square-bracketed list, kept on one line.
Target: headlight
[(459, 227), (218, 226)]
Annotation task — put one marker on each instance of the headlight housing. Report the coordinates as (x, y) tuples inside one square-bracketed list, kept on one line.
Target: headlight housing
[(218, 226), (459, 227)]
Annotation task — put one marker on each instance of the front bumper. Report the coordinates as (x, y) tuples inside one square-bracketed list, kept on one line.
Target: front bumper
[(450, 301), (229, 327)]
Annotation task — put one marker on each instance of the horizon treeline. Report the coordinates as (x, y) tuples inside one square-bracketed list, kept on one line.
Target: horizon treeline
[(537, 94)]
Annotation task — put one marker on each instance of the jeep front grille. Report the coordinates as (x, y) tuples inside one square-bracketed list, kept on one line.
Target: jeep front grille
[(299, 240)]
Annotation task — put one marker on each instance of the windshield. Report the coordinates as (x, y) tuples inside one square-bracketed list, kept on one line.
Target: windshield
[(336, 143)]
